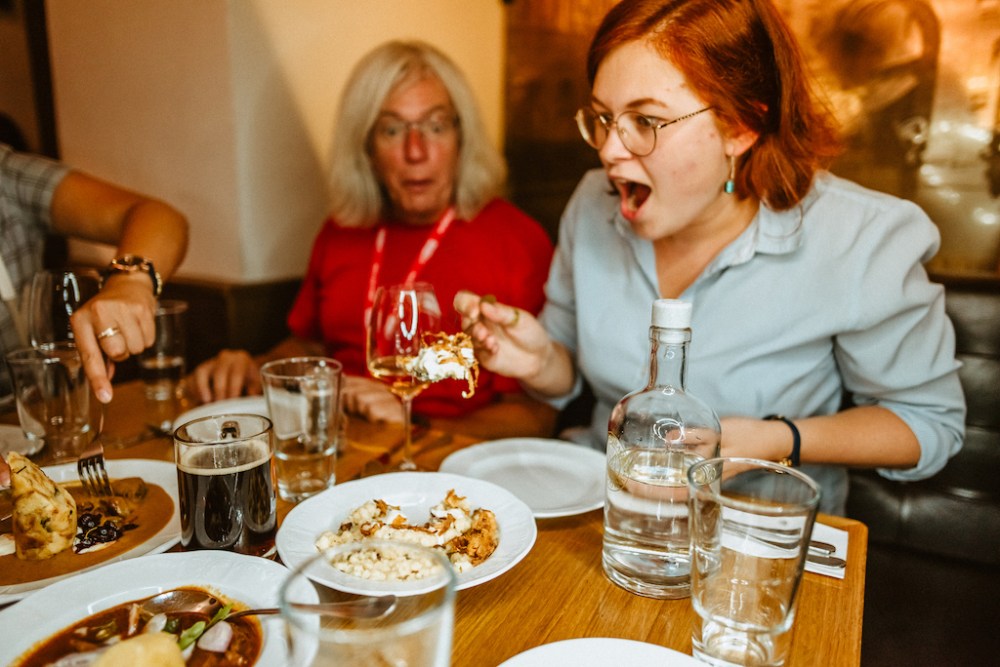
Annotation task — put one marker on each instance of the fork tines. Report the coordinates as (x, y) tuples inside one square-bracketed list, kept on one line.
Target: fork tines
[(93, 473)]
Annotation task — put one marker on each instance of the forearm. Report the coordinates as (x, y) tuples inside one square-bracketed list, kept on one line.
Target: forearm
[(94, 210), (156, 231), (863, 437)]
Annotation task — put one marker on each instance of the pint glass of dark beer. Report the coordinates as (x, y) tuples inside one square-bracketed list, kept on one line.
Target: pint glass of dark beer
[(226, 483)]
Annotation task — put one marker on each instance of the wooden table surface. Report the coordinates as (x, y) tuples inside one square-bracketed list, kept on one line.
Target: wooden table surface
[(559, 590)]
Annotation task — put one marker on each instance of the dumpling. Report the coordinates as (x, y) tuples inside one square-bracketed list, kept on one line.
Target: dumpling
[(44, 519), (156, 648)]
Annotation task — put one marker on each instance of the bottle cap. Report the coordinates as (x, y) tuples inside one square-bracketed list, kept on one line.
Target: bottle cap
[(672, 314)]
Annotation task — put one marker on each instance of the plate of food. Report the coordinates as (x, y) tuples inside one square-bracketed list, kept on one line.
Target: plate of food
[(484, 529), (553, 477), (142, 518), (600, 651), (90, 600), (251, 405)]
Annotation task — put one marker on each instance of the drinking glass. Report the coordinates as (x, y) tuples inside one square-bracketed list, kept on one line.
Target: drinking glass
[(751, 522), (161, 366), (225, 480), (303, 401), (400, 316), (416, 632), (53, 398), (53, 298)]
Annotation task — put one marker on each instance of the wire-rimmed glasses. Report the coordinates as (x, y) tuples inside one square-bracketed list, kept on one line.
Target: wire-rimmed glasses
[(438, 126), (637, 131)]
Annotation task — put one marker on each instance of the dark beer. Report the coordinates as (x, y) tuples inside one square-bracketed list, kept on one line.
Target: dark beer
[(231, 506)]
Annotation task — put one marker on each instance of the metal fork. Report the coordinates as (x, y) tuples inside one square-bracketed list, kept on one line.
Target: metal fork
[(91, 468)]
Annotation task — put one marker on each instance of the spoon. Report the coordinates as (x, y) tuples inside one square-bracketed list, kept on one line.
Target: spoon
[(195, 601)]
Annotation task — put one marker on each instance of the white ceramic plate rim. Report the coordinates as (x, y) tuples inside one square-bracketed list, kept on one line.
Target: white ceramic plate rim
[(415, 493), (598, 652), (161, 473), (250, 580), (542, 472), (253, 405)]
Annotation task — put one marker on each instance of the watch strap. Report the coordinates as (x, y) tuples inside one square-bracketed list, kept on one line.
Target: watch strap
[(132, 264), (792, 459)]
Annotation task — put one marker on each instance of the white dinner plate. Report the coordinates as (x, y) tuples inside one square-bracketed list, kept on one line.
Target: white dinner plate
[(253, 581), (553, 477), (414, 493), (12, 439), (600, 652), (161, 473), (251, 405)]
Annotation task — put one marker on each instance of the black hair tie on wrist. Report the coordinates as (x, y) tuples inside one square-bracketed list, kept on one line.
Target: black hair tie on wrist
[(792, 459)]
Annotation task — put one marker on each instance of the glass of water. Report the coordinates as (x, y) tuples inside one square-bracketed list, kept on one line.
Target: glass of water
[(162, 365), (415, 632), (751, 522), (303, 401)]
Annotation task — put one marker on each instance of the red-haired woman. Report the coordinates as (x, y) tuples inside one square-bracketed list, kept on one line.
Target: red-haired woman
[(805, 287)]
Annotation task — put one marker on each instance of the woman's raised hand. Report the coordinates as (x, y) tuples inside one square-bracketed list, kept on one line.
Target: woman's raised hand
[(508, 340)]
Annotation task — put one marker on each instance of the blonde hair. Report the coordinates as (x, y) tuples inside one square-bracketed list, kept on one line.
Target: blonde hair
[(357, 198)]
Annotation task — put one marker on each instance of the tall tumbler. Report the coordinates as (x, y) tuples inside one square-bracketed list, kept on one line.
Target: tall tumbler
[(303, 400), (53, 398), (751, 522), (161, 366), (225, 480)]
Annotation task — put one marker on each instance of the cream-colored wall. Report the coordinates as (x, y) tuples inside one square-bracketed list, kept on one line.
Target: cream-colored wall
[(226, 109)]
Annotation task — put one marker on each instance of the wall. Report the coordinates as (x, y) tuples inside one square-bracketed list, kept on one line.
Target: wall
[(226, 108)]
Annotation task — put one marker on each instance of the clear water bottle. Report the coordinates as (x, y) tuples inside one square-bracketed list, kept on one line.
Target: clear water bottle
[(654, 436)]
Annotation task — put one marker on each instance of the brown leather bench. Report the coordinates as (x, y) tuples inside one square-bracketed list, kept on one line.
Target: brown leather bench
[(932, 595)]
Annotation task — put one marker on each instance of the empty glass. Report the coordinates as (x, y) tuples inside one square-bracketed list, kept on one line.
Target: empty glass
[(53, 298), (53, 397)]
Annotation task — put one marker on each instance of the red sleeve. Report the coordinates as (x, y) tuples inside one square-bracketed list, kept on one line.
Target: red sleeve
[(304, 317)]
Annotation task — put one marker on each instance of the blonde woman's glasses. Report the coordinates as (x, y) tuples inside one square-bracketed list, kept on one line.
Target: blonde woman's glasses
[(439, 126), (637, 131)]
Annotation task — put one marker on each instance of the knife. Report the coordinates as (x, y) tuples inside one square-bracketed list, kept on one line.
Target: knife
[(828, 561)]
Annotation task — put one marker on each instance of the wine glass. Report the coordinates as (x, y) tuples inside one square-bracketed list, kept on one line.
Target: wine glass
[(54, 297), (399, 318)]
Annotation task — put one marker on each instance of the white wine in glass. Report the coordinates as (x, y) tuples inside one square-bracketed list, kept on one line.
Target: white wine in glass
[(400, 316)]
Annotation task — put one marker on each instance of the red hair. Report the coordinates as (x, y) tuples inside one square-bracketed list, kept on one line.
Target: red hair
[(742, 59)]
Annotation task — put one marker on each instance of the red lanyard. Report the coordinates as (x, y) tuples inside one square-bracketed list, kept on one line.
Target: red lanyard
[(419, 262)]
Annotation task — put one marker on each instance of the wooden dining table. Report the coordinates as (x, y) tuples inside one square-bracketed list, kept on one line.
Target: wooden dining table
[(559, 590)]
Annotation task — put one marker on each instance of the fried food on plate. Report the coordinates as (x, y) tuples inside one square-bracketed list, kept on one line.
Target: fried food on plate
[(44, 519)]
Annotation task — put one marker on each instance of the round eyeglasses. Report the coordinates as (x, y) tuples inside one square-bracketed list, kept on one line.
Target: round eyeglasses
[(637, 131)]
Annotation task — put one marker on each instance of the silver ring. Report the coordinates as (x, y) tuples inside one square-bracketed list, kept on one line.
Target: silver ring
[(108, 333)]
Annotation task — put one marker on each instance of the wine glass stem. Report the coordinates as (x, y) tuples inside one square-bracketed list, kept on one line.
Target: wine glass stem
[(407, 462)]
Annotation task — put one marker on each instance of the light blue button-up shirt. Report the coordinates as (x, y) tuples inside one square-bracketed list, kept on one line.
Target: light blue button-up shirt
[(805, 305)]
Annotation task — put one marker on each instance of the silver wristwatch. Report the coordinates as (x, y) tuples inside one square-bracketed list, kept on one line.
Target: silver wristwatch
[(131, 264)]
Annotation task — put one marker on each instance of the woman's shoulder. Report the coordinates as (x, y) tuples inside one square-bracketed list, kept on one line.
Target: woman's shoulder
[(832, 191), (844, 212)]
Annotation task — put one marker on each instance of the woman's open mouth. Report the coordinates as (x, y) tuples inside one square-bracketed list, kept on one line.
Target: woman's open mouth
[(633, 195)]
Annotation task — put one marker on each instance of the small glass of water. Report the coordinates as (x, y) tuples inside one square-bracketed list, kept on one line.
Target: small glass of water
[(416, 631), (162, 366), (303, 400)]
